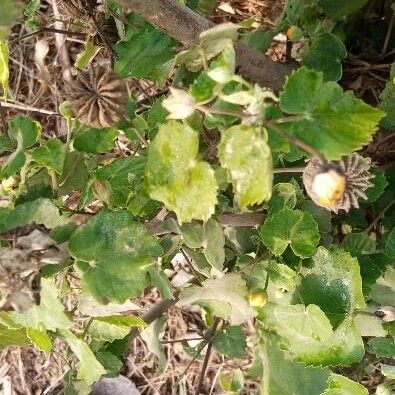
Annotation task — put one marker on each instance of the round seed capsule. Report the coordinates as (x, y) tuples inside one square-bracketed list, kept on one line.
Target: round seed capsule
[(98, 97)]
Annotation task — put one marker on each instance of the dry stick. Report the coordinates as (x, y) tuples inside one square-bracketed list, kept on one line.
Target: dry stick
[(3, 122), (156, 312), (46, 30), (185, 25), (388, 36), (28, 108), (207, 356), (209, 335)]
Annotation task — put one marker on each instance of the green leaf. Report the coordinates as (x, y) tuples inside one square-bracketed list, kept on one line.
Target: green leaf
[(283, 376), (4, 68), (283, 197), (231, 342), (114, 327), (95, 141), (213, 244), (244, 153), (211, 42), (226, 296), (5, 144), (49, 314), (145, 53), (383, 292), (114, 254), (90, 369), (151, 336), (390, 244), (383, 347), (359, 243), (223, 68), (387, 97), (161, 282), (388, 371), (14, 163), (126, 178), (110, 362), (126, 321), (175, 176), (340, 385), (85, 58), (321, 215), (326, 54), (339, 9), (325, 110), (259, 39), (13, 337), (334, 284), (308, 335), (24, 130), (380, 183), (290, 227), (10, 11), (192, 234), (204, 88), (40, 338), (51, 155), (40, 211)]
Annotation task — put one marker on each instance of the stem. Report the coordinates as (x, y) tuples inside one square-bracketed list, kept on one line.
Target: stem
[(288, 170), (388, 36), (208, 110), (181, 340), (54, 181), (68, 137), (379, 216), (207, 356), (156, 312), (299, 143)]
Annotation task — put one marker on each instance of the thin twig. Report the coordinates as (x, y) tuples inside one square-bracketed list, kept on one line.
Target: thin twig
[(46, 30), (379, 216), (156, 312), (28, 108), (207, 356), (388, 36), (3, 122), (188, 261)]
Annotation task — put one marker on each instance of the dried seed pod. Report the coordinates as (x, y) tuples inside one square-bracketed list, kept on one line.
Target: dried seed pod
[(77, 8), (98, 97), (338, 185)]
